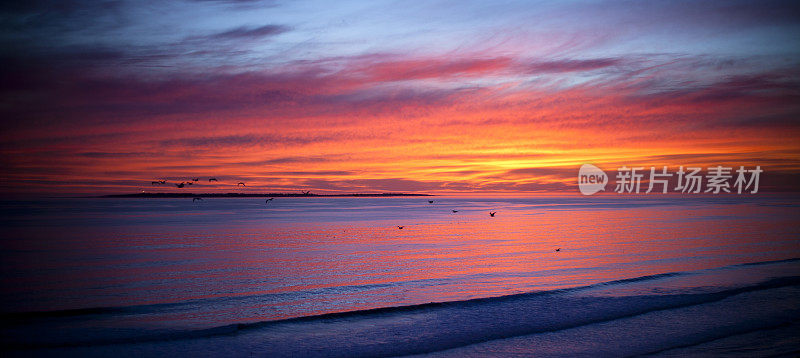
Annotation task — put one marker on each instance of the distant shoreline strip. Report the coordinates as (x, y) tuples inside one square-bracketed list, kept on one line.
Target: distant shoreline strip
[(248, 195)]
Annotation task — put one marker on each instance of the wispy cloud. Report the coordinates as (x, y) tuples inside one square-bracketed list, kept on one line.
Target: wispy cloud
[(245, 32), (572, 65), (503, 97)]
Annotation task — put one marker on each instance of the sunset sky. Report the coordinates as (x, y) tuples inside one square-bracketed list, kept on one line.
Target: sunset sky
[(387, 96)]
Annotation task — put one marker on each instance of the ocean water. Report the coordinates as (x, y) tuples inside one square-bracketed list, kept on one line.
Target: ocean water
[(335, 277)]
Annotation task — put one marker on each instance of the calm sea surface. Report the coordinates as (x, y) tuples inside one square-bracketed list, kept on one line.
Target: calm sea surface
[(117, 269)]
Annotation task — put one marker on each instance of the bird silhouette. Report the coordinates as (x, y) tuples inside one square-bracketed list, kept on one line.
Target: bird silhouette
[(196, 179), (558, 249), (240, 183), (491, 213), (196, 199), (270, 199), (212, 179), (399, 227), (430, 201), (180, 185), (189, 183), (455, 211), (306, 192)]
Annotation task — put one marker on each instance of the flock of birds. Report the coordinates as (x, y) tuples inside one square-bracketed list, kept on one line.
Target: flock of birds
[(305, 192), (184, 183), (194, 180), (191, 182), (491, 214)]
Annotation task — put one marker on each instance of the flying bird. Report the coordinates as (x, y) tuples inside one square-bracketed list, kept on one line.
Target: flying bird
[(306, 192), (212, 179), (240, 183), (270, 199), (189, 183), (399, 227), (196, 179), (455, 211), (196, 199), (558, 249), (430, 201), (491, 213), (158, 182), (180, 185)]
